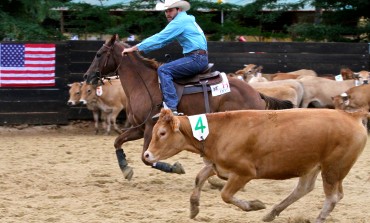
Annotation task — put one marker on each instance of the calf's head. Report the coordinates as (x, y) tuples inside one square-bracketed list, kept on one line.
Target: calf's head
[(74, 93), (341, 101), (88, 94), (167, 139)]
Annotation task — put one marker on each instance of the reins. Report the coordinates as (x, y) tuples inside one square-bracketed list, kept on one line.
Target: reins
[(150, 96)]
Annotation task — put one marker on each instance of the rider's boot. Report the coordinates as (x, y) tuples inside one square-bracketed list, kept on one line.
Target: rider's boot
[(122, 162), (168, 168)]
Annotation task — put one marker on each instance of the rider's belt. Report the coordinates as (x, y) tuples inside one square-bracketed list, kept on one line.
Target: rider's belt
[(202, 52)]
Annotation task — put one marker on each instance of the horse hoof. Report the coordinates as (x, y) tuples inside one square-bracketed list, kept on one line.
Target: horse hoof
[(257, 205), (128, 172), (177, 168)]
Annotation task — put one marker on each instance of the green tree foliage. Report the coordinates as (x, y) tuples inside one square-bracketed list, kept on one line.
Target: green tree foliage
[(30, 20), (35, 20), (85, 18), (340, 21)]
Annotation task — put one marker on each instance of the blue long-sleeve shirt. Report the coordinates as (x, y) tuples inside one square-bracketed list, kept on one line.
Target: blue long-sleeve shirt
[(184, 29)]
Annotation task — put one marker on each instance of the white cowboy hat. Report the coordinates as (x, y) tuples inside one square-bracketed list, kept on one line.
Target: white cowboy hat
[(168, 4)]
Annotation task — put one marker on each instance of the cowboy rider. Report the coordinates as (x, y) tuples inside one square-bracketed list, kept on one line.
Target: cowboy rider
[(183, 28)]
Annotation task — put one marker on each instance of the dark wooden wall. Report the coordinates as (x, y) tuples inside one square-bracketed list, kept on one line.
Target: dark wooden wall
[(48, 105)]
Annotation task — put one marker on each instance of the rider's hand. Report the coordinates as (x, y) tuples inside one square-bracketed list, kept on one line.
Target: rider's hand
[(129, 50)]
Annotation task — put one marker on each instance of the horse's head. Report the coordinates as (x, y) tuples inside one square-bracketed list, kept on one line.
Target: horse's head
[(105, 63)]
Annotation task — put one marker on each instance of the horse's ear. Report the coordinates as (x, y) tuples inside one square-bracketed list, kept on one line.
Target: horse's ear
[(113, 39)]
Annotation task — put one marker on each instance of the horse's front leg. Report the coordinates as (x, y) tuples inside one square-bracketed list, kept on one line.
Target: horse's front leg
[(233, 185), (128, 135), (203, 175), (162, 166)]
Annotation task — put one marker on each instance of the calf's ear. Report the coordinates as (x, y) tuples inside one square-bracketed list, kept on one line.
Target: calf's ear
[(175, 124)]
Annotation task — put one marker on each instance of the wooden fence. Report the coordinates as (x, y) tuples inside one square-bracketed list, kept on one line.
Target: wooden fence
[(48, 105)]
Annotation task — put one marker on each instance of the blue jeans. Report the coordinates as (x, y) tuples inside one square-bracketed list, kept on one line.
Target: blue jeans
[(187, 66)]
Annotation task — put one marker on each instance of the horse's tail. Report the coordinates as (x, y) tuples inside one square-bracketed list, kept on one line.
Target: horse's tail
[(275, 103)]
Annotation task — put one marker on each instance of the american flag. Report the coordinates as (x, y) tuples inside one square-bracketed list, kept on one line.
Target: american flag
[(27, 65)]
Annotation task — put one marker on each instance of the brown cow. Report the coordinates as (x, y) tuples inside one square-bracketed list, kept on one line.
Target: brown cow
[(278, 145), (362, 76), (110, 99)]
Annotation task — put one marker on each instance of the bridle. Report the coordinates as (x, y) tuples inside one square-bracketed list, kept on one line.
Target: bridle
[(115, 73)]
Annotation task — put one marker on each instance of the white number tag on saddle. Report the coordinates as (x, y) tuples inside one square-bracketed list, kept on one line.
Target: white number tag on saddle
[(99, 91), (199, 126), (221, 88)]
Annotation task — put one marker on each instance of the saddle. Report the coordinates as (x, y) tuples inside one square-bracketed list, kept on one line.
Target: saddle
[(198, 83)]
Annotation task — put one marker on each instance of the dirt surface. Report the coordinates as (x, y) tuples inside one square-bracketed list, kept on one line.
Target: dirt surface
[(69, 174)]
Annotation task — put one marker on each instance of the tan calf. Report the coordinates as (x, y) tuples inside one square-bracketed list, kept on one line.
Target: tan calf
[(282, 89), (110, 99), (283, 92), (74, 99), (355, 98), (278, 145), (319, 91)]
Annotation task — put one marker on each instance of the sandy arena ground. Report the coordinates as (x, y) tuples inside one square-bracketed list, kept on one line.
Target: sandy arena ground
[(68, 174)]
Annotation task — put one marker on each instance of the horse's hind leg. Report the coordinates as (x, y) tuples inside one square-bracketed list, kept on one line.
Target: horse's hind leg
[(305, 185), (201, 178), (333, 194)]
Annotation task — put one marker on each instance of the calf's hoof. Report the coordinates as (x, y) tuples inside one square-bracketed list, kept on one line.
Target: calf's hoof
[(177, 168), (257, 205), (128, 172), (216, 183), (270, 216), (194, 210)]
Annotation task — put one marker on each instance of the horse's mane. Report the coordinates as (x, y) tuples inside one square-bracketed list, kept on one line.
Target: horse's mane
[(152, 63)]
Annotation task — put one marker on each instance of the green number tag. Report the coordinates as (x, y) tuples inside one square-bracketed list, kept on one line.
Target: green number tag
[(199, 126)]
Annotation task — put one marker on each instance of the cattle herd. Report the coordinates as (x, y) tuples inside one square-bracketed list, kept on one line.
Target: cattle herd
[(304, 88), (348, 91)]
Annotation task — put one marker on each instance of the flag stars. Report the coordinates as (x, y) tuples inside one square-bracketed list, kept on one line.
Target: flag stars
[(12, 55)]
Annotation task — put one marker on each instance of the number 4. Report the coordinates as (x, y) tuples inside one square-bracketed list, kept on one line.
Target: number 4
[(199, 125)]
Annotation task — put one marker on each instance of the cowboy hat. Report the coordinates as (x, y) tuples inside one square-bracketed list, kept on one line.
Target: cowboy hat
[(168, 4)]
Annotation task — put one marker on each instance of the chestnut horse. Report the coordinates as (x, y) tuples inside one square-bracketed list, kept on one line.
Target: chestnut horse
[(139, 80)]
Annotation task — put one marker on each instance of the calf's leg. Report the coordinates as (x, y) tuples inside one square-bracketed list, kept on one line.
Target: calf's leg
[(333, 194), (233, 185), (201, 178), (96, 120), (109, 123), (305, 185), (114, 116)]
